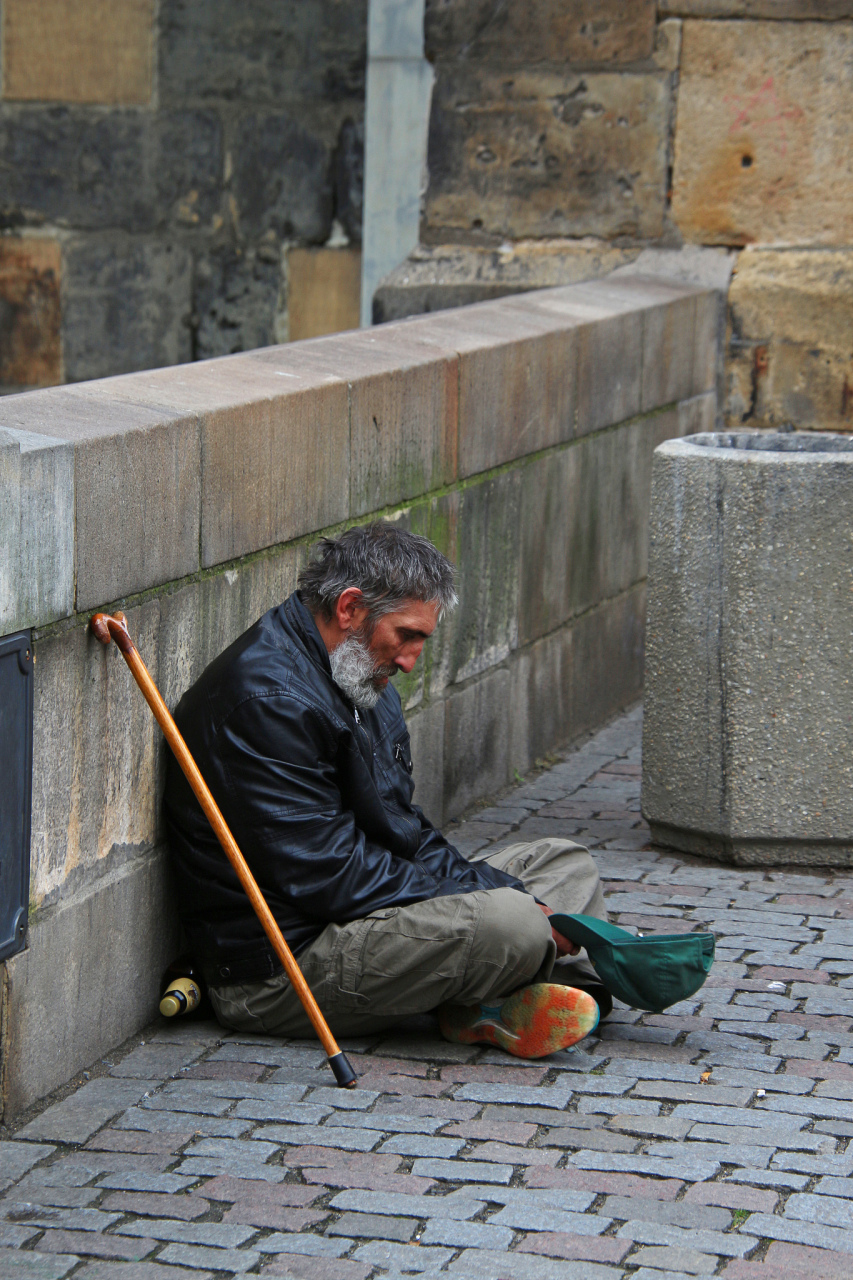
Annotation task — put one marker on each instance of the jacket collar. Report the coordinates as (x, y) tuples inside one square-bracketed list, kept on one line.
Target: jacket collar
[(298, 620)]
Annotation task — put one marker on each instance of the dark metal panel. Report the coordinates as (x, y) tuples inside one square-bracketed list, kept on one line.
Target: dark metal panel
[(16, 774)]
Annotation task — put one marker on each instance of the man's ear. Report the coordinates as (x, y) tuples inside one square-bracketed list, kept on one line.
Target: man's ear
[(350, 609)]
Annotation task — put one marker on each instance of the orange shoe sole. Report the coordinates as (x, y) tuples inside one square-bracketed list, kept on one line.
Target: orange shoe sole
[(531, 1023)]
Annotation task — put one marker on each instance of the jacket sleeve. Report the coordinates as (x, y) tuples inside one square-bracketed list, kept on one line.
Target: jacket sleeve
[(442, 860), (276, 764)]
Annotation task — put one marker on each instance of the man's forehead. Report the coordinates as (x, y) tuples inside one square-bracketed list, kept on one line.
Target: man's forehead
[(416, 615)]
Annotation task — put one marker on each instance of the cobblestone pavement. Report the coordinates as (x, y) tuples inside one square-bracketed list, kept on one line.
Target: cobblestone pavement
[(710, 1140)]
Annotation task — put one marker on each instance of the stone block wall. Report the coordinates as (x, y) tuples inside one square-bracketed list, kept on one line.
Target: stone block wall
[(566, 137), (517, 434), (161, 161)]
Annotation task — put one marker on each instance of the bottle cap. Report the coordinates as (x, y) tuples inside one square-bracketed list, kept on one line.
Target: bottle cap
[(169, 1006)]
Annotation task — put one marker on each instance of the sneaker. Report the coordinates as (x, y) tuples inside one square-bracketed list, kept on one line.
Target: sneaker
[(531, 1023)]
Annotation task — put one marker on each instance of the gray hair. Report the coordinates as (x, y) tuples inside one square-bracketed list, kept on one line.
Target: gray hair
[(387, 564)]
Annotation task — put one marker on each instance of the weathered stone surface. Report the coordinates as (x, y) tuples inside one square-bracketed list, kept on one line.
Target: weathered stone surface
[(583, 522), (547, 153), (403, 410), (282, 176), (78, 51), (476, 741), (435, 277), (587, 31), (36, 530), (210, 49), (30, 272), (761, 144), (748, 623), (427, 734), (323, 291), (792, 339), (514, 393), (236, 301), (127, 306), (123, 169)]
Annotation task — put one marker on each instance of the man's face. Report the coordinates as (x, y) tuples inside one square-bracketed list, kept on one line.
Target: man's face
[(397, 639), (368, 657)]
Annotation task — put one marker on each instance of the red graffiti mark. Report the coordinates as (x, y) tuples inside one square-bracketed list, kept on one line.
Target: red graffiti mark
[(764, 110)]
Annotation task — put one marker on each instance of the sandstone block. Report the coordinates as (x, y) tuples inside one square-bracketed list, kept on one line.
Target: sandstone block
[(750, 610), (476, 742), (274, 468), (427, 733), (607, 658), (547, 153), (123, 927), (323, 291), (282, 177), (792, 330), (36, 530), (483, 631), (516, 389), (98, 51), (214, 49), (402, 410), (583, 523), (436, 277), (30, 272), (97, 753), (136, 485), (761, 144), (541, 711), (127, 305), (520, 34), (108, 169)]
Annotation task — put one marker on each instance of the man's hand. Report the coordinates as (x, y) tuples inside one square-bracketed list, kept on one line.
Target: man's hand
[(564, 947)]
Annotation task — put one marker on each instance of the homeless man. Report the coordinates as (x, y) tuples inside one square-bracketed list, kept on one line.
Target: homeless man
[(301, 739)]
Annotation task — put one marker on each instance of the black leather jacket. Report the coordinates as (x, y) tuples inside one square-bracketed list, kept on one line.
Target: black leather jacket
[(317, 795)]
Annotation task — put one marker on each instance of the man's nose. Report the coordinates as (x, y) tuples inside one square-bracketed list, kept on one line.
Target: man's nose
[(408, 657)]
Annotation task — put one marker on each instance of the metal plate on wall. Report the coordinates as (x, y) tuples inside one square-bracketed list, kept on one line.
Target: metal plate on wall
[(16, 771)]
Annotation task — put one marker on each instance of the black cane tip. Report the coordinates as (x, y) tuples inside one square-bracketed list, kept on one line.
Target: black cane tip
[(343, 1072)]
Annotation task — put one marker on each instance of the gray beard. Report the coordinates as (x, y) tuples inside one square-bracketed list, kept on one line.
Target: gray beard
[(354, 670)]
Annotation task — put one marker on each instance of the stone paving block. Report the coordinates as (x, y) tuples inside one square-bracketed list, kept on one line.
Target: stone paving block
[(357, 1099), (17, 1157), (464, 1235), (562, 1244), (416, 1145), (782, 1228), (428, 1258), (673, 1263), (688, 1168), (578, 1138), (508, 1154), (168, 1122), (214, 1167), (151, 1061), (288, 1112), (830, 1186), (96, 1244), (391, 1123), (832, 1210), (140, 1180), (195, 1105), (70, 1219), (622, 1107), (485, 1264), (305, 1268), (221, 1235), (691, 1216), (728, 1197), (415, 1206), (67, 1197), (450, 1171), (196, 1256), (310, 1245), (82, 1113), (528, 1217), (598, 1182), (14, 1237), (374, 1226), (708, 1242), (347, 1139), (748, 1154), (676, 1091), (35, 1266), (157, 1204), (137, 1271), (769, 1178)]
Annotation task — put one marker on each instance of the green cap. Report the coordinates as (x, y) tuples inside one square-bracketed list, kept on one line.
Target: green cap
[(646, 973)]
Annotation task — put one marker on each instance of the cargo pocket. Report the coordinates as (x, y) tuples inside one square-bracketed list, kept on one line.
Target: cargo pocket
[(348, 964)]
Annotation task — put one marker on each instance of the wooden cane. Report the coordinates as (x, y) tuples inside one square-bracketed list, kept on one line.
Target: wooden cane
[(105, 628)]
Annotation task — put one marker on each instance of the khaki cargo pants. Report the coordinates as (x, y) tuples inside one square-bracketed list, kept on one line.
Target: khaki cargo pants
[(472, 947)]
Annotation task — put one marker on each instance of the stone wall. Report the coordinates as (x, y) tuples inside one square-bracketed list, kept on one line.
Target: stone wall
[(516, 434), (567, 137), (161, 161)]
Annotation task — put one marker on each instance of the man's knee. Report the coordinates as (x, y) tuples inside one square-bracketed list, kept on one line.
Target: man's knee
[(510, 946)]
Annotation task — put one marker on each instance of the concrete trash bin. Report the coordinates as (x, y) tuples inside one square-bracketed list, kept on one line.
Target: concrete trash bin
[(748, 722)]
